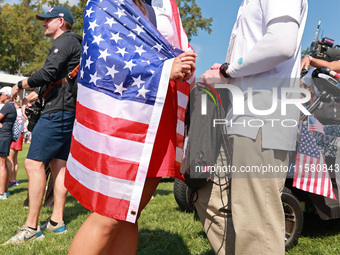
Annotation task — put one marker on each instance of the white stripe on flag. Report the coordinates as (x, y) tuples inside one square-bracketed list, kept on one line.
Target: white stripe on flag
[(103, 103), (180, 127), (106, 185), (182, 99), (179, 154), (109, 145), (149, 141)]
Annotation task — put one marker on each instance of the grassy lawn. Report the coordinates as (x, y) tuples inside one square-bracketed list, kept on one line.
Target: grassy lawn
[(164, 229)]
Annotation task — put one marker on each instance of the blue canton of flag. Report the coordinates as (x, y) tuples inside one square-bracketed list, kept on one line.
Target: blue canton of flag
[(311, 172), (314, 125), (120, 54), (308, 144)]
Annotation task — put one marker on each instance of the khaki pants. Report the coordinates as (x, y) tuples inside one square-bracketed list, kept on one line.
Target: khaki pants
[(246, 217)]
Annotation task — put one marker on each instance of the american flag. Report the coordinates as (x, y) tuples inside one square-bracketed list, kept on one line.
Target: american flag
[(122, 85), (314, 125), (311, 172)]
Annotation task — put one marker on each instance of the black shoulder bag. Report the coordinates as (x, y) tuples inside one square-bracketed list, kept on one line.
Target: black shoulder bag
[(205, 136)]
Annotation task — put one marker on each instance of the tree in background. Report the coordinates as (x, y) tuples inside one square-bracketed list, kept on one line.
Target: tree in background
[(192, 19), (22, 37), (23, 46)]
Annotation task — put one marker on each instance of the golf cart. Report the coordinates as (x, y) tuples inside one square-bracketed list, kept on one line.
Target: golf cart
[(295, 201)]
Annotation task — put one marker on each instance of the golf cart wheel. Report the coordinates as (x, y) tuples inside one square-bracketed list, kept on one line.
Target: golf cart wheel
[(182, 195), (293, 218)]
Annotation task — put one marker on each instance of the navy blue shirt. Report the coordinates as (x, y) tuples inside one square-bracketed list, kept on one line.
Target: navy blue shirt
[(7, 122)]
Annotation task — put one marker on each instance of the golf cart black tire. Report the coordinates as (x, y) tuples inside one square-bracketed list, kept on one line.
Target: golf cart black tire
[(182, 194), (293, 218)]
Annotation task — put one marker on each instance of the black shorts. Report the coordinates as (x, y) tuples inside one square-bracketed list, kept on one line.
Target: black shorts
[(5, 145)]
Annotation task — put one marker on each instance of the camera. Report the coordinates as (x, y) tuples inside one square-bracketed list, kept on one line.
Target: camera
[(325, 49), (33, 114)]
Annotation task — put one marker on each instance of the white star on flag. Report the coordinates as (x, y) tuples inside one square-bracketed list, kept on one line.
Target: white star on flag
[(139, 50), (158, 47), (115, 37), (88, 62), (129, 65), (85, 48), (94, 78), (104, 54), (137, 81), (110, 21), (93, 25), (111, 71), (133, 35), (97, 39), (82, 73), (120, 89), (120, 13), (138, 29), (121, 51), (89, 12), (146, 61), (120, 2), (142, 92)]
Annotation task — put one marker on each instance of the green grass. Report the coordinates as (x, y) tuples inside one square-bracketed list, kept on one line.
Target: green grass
[(164, 229)]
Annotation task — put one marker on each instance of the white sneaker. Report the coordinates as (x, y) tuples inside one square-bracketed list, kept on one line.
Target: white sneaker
[(3, 196), (26, 234), (59, 229)]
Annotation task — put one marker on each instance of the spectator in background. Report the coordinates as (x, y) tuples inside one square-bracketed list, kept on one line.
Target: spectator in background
[(16, 146), (320, 63), (51, 137), (8, 115)]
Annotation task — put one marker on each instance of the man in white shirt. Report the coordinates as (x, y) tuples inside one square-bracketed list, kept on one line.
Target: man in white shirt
[(246, 216)]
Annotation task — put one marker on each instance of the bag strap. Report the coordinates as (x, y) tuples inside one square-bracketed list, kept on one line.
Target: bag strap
[(221, 114), (71, 75)]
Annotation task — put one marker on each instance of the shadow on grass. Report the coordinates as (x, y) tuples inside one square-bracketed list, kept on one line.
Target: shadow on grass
[(17, 190), (21, 181), (162, 192), (73, 210), (313, 226), (163, 242)]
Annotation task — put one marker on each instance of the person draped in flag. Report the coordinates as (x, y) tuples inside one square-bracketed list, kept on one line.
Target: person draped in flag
[(131, 105)]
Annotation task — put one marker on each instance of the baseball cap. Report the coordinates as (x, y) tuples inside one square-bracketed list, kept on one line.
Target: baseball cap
[(6, 90), (57, 11)]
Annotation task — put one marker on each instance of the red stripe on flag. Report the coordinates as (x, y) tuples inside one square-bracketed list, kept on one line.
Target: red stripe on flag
[(100, 202), (177, 168), (323, 179), (183, 87), (102, 163), (181, 113), (116, 127), (179, 140)]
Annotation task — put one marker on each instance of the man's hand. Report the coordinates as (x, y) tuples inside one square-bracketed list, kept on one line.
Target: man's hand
[(25, 103), (183, 66), (213, 76), (15, 91)]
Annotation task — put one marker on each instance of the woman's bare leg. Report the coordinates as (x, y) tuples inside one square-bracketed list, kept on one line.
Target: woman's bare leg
[(103, 235)]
